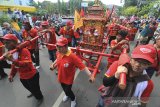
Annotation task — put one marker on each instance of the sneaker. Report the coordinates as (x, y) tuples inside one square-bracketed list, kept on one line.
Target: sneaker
[(73, 103), (39, 102), (3, 77), (33, 63), (65, 98), (29, 96), (37, 67), (56, 72)]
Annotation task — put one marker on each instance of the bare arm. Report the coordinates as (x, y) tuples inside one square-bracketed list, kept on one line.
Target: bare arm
[(53, 65), (114, 47), (3, 49), (87, 71), (91, 77), (121, 42)]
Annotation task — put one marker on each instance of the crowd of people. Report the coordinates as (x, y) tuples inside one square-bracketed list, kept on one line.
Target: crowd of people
[(144, 60)]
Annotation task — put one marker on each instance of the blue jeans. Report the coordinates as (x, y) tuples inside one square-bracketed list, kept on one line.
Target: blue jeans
[(73, 41), (52, 55), (100, 102)]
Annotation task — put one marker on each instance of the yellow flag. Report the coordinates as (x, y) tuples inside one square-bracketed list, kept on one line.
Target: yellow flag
[(15, 26), (78, 22)]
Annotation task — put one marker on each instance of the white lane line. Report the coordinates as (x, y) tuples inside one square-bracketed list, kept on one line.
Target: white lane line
[(59, 99)]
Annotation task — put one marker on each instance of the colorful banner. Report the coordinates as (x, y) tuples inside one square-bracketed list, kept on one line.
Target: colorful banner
[(78, 22)]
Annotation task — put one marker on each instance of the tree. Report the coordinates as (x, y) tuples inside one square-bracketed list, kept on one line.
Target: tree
[(4, 18), (59, 6), (144, 7), (90, 3), (130, 11), (130, 3), (144, 10), (64, 9)]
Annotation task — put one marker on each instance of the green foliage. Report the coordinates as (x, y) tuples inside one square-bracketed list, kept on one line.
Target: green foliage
[(41, 12), (34, 4), (145, 9), (130, 3), (61, 7), (90, 3), (4, 18), (130, 11), (74, 5)]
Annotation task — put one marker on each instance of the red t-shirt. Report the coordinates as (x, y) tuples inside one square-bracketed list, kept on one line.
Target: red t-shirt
[(76, 35), (152, 30), (29, 35), (113, 30), (1, 48), (132, 32), (67, 34), (146, 93), (51, 39), (23, 65), (34, 18), (157, 61), (158, 58), (67, 65), (116, 51)]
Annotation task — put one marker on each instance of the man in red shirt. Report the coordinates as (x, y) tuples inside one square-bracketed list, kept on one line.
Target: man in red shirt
[(22, 63), (3, 63), (112, 31), (157, 45), (138, 83), (67, 62), (50, 38), (77, 37), (28, 34), (67, 32), (117, 46), (156, 65), (132, 31)]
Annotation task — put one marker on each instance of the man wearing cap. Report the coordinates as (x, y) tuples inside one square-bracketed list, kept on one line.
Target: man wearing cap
[(22, 63), (118, 45), (50, 38), (147, 33), (132, 31), (67, 32), (8, 30), (3, 63), (138, 84), (157, 46), (112, 31), (67, 62), (156, 65), (28, 33)]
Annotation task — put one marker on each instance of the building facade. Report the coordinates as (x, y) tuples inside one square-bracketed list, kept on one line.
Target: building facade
[(16, 2)]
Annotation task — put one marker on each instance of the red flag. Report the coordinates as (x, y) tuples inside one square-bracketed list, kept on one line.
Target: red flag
[(108, 12), (82, 12)]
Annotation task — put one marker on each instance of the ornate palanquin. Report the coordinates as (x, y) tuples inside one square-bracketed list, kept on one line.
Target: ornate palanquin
[(94, 22)]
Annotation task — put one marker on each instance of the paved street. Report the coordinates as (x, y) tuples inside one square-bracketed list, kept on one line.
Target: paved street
[(15, 95)]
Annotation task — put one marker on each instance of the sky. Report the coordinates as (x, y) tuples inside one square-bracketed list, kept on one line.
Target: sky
[(116, 2)]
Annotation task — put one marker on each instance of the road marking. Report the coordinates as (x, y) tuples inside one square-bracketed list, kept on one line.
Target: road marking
[(59, 99)]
